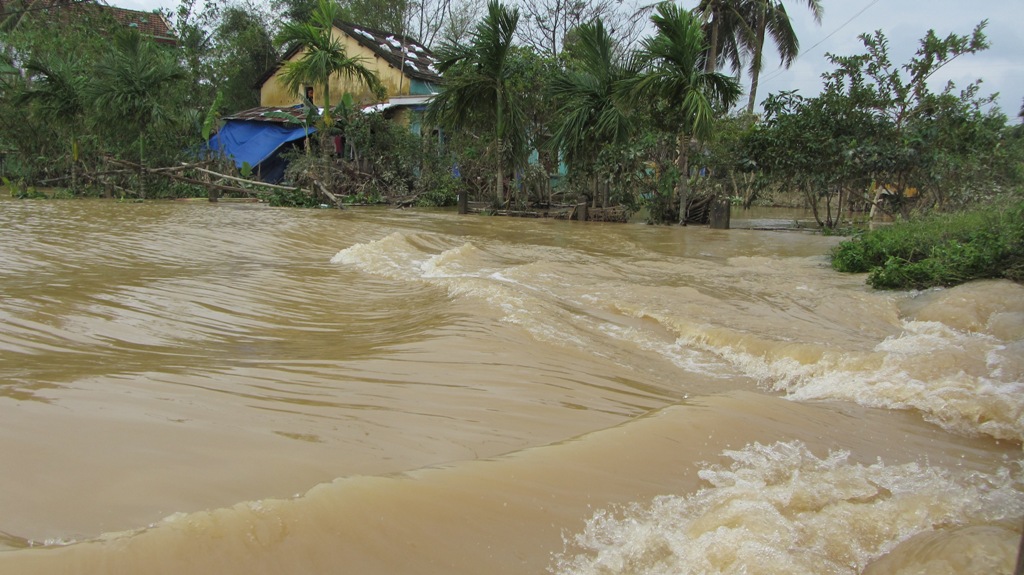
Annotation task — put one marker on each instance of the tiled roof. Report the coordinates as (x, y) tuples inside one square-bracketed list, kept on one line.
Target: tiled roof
[(151, 24), (402, 52), (419, 62)]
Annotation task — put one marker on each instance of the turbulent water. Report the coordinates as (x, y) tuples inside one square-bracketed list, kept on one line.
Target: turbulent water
[(236, 389)]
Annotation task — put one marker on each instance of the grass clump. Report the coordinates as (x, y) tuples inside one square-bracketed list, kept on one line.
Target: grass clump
[(941, 250)]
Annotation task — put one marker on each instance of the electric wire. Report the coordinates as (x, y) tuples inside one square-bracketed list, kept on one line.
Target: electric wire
[(779, 72)]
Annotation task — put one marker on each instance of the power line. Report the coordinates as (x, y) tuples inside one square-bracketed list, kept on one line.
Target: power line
[(777, 73)]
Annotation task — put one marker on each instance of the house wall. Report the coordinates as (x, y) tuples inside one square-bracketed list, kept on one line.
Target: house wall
[(274, 93)]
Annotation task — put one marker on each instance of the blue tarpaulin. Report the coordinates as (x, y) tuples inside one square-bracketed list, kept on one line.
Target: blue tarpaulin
[(257, 144)]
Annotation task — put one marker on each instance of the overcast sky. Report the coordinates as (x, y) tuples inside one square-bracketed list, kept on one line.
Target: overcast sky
[(904, 22)]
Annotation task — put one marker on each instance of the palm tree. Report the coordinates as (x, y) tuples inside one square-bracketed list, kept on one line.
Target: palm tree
[(590, 113), (478, 88), (131, 85), (58, 93), (673, 75), (729, 34), (325, 56), (769, 17)]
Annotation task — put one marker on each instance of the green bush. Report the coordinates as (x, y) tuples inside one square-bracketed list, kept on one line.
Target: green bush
[(295, 198), (440, 195), (943, 250)]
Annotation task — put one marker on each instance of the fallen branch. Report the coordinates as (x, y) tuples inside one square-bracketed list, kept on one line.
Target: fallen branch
[(243, 180), (328, 194), (167, 172), (406, 202)]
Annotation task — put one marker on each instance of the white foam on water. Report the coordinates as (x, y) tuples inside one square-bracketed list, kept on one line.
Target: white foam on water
[(392, 256), (968, 382), (779, 509), (964, 381), (684, 357), (465, 271), (452, 263)]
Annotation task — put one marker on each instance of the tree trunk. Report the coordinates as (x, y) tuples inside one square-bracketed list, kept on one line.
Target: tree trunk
[(74, 162), (500, 133), (712, 63), (843, 197), (683, 186), (142, 169), (755, 66), (500, 180)]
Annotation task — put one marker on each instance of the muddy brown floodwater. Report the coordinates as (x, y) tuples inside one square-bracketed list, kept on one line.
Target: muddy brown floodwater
[(237, 389)]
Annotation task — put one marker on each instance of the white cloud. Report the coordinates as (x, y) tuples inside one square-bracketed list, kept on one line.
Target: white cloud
[(905, 22)]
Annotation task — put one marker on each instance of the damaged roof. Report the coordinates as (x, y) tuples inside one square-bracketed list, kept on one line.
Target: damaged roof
[(400, 52), (259, 114)]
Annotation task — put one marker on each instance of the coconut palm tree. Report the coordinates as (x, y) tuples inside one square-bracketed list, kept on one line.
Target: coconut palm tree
[(478, 88), (324, 57), (131, 85), (769, 18), (672, 75), (590, 112), (729, 34), (57, 96)]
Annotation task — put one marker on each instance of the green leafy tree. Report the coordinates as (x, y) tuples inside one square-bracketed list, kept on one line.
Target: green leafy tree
[(244, 52), (57, 97), (295, 10), (195, 23), (531, 75), (134, 86), (672, 77), (879, 125), (476, 93), (591, 114), (922, 129), (827, 143), (38, 137)]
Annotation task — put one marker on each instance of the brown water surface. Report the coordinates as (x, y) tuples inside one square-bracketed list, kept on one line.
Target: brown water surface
[(202, 388)]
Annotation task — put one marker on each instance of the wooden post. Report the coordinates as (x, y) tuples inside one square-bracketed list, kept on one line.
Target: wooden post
[(463, 202), (581, 212), (720, 211), (214, 195)]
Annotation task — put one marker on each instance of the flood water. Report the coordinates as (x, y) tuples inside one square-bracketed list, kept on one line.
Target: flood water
[(238, 389)]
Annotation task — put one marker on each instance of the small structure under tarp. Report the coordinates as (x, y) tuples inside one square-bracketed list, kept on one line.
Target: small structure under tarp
[(255, 139)]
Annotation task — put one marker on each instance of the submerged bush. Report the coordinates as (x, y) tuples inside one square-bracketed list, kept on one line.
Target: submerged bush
[(295, 198), (943, 250)]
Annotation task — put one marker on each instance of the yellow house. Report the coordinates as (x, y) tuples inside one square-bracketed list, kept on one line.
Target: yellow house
[(405, 68), (255, 137)]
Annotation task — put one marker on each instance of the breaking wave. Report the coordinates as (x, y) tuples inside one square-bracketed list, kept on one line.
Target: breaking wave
[(781, 509)]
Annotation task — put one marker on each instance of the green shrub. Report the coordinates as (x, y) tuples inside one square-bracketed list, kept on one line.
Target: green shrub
[(441, 192), (941, 250), (295, 198)]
